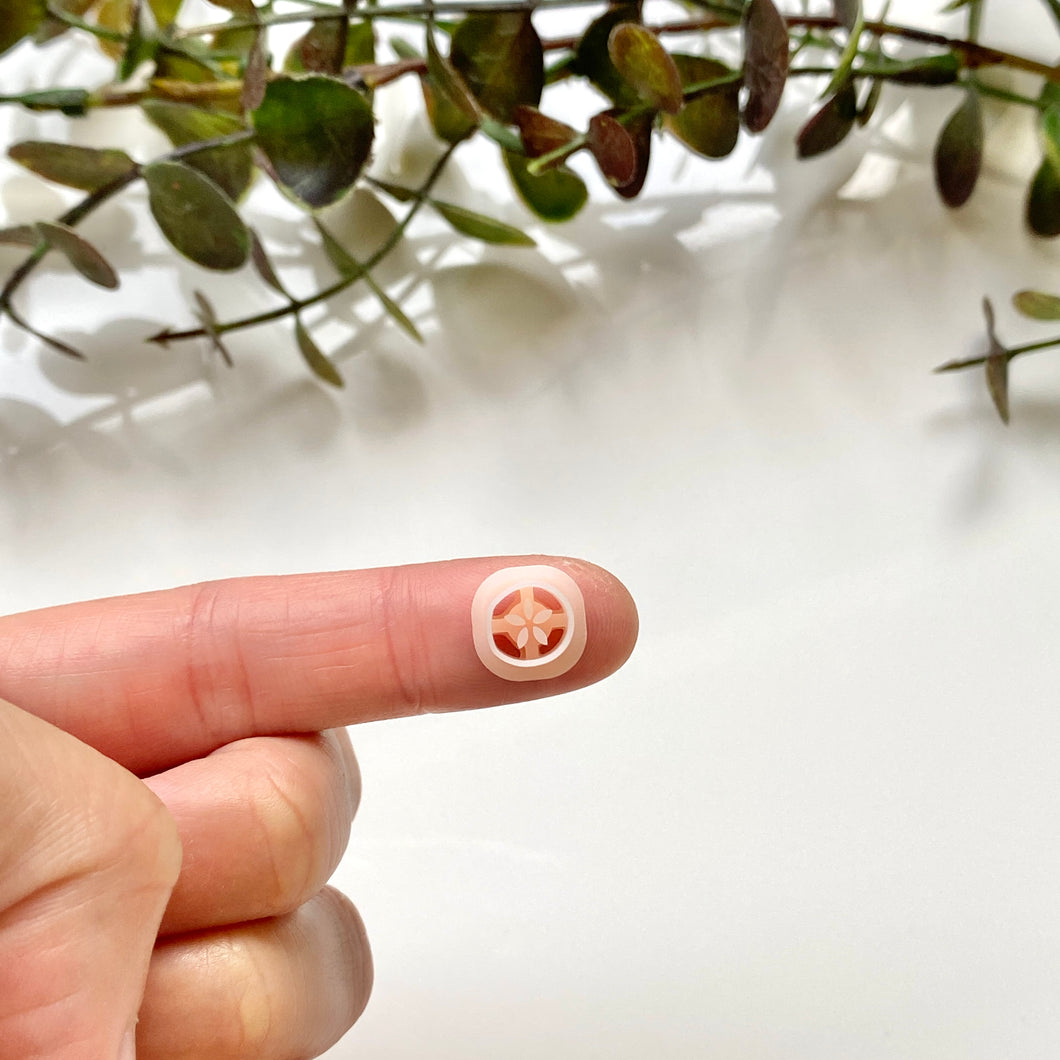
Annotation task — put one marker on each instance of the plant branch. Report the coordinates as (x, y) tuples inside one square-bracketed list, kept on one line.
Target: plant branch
[(1014, 351), (87, 205), (296, 305)]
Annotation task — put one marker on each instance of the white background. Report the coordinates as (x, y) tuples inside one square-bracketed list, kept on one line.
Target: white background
[(816, 815)]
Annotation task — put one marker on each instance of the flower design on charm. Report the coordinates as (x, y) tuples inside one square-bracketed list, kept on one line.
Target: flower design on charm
[(528, 623)]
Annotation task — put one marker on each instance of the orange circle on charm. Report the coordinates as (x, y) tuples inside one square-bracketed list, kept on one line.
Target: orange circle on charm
[(528, 623)]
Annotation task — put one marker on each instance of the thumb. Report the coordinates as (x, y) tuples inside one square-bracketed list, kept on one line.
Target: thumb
[(88, 858)]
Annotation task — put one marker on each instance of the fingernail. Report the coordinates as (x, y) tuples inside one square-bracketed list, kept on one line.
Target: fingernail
[(128, 1045), (528, 623)]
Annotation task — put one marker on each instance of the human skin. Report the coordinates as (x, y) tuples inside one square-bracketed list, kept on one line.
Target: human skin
[(177, 787)]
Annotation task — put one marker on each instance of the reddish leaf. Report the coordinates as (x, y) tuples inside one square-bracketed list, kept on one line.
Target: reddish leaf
[(540, 133), (613, 149), (765, 65), (831, 125)]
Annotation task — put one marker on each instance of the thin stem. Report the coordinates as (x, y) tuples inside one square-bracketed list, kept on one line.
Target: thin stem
[(93, 201), (1008, 97), (71, 20), (392, 11), (1015, 351), (296, 305)]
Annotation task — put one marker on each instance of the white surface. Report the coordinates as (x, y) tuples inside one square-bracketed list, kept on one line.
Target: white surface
[(816, 814)]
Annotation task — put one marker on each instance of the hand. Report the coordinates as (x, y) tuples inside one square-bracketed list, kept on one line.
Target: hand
[(176, 788)]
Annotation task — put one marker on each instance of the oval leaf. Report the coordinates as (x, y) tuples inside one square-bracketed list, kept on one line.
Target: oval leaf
[(321, 367), (613, 149), (997, 382), (80, 253), (540, 133), (18, 19), (765, 66), (85, 168), (19, 236), (959, 152), (931, 70), (592, 59), (639, 57), (317, 134), (555, 195), (640, 130), (451, 107), (196, 216), (330, 45), (478, 226), (831, 124), (500, 58), (263, 264), (1043, 201), (710, 123), (1037, 304), (231, 167)]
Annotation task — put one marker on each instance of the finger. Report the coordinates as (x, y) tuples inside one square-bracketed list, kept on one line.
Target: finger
[(158, 679), (87, 860), (271, 990), (263, 823)]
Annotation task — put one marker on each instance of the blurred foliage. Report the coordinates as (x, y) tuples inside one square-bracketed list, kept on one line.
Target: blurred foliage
[(234, 112)]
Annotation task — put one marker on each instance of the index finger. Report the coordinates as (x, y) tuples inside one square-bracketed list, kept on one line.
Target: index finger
[(159, 678)]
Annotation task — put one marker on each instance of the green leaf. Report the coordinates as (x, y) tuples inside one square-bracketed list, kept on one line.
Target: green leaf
[(1043, 201), (321, 367), (592, 59), (641, 59), (263, 265), (540, 133), (1049, 134), (478, 226), (231, 167), (996, 365), (196, 216), (959, 151), (613, 148), (317, 134), (555, 195), (402, 49), (765, 65), (165, 11), (84, 168), (451, 107), (930, 71), (330, 45), (710, 123), (502, 135), (396, 191), (80, 253), (348, 266), (1037, 305), (208, 319), (831, 125), (139, 46), (18, 19), (500, 58), (73, 102)]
